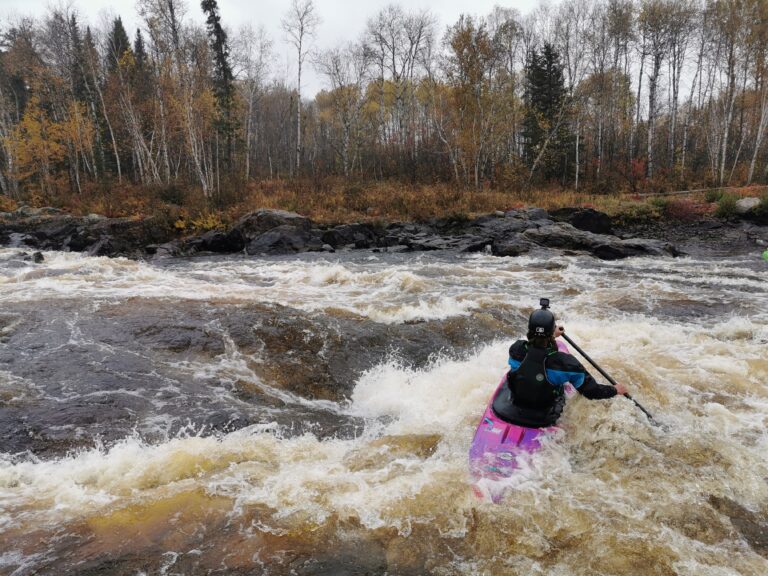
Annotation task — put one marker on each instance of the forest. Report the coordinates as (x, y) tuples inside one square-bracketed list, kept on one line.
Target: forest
[(601, 97)]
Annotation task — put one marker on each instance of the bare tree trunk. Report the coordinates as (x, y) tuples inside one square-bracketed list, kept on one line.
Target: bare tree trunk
[(697, 76), (109, 124), (731, 100), (633, 135), (760, 130), (578, 138), (298, 118)]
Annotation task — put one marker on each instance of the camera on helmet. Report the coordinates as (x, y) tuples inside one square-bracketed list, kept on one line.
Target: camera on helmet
[(544, 303)]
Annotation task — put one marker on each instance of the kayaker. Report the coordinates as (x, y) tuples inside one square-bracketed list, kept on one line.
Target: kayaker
[(535, 392)]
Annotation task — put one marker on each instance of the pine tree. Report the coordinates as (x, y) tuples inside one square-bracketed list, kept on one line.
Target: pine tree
[(545, 128), (223, 81), (118, 43), (77, 62), (141, 78), (139, 51)]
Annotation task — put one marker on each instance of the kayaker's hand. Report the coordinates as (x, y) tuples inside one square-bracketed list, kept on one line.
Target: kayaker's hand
[(559, 331), (621, 389)]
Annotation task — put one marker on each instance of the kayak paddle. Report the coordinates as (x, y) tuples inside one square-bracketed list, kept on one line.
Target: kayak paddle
[(608, 377)]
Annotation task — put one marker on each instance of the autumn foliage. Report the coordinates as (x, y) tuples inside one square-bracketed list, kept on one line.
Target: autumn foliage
[(582, 101)]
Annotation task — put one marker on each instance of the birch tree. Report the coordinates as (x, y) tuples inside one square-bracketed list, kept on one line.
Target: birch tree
[(300, 25)]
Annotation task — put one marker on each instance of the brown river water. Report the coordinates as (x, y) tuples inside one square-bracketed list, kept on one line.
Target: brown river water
[(312, 415)]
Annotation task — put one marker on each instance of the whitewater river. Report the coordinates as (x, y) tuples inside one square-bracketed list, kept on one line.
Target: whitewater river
[(312, 415)]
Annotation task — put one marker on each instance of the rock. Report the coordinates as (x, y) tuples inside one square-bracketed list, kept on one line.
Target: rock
[(751, 525), (38, 257), (389, 241), (745, 205), (167, 250), (284, 239), (257, 223), (328, 248), (50, 229), (537, 214), (565, 236), (586, 219), (634, 247), (425, 244), (361, 235), (510, 247), (220, 242)]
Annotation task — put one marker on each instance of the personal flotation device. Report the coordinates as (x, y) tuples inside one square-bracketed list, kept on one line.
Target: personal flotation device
[(529, 399)]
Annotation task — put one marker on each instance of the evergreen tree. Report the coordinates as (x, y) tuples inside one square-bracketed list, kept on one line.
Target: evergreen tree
[(546, 134), (139, 51), (223, 81), (141, 77), (78, 69), (118, 44)]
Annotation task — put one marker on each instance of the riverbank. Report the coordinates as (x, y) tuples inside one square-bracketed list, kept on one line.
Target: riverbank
[(502, 233)]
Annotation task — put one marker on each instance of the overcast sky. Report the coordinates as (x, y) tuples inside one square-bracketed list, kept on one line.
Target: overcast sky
[(342, 20)]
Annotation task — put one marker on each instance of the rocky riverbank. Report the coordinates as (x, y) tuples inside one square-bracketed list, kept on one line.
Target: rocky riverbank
[(275, 232)]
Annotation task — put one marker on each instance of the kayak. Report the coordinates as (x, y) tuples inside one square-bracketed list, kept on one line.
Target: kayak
[(498, 447)]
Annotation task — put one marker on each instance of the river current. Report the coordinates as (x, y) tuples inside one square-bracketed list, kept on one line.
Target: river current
[(313, 414)]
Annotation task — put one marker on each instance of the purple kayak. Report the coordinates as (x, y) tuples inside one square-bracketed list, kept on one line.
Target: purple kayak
[(497, 447)]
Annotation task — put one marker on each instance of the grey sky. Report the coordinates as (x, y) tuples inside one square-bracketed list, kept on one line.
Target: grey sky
[(342, 20)]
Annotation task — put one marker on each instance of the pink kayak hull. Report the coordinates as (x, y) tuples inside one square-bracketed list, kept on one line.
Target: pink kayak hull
[(498, 446)]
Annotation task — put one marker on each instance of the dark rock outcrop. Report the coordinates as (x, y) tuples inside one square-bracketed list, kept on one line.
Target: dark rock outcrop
[(51, 229), (276, 232), (255, 224), (587, 219), (565, 236), (359, 235), (285, 239)]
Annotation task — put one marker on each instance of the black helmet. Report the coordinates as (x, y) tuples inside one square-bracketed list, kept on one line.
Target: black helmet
[(541, 322)]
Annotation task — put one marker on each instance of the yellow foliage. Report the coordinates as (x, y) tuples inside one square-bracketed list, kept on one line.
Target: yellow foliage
[(207, 221), (37, 143), (7, 204)]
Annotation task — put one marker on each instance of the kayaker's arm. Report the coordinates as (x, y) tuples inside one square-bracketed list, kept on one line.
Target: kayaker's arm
[(583, 380), (594, 391)]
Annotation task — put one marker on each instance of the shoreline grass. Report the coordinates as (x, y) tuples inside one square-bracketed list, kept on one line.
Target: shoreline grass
[(334, 201)]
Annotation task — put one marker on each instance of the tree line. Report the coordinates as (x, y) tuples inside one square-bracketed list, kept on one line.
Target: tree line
[(595, 95)]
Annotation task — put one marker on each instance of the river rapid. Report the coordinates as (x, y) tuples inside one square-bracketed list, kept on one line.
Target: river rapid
[(312, 415)]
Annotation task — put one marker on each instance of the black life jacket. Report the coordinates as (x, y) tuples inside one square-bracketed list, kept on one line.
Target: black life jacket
[(529, 399)]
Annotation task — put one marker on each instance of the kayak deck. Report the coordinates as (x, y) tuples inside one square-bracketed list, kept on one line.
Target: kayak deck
[(498, 446)]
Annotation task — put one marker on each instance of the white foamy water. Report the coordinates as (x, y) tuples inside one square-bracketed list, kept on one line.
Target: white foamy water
[(609, 494)]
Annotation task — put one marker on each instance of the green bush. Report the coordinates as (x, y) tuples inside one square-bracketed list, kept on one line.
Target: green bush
[(660, 202), (712, 196), (726, 206)]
